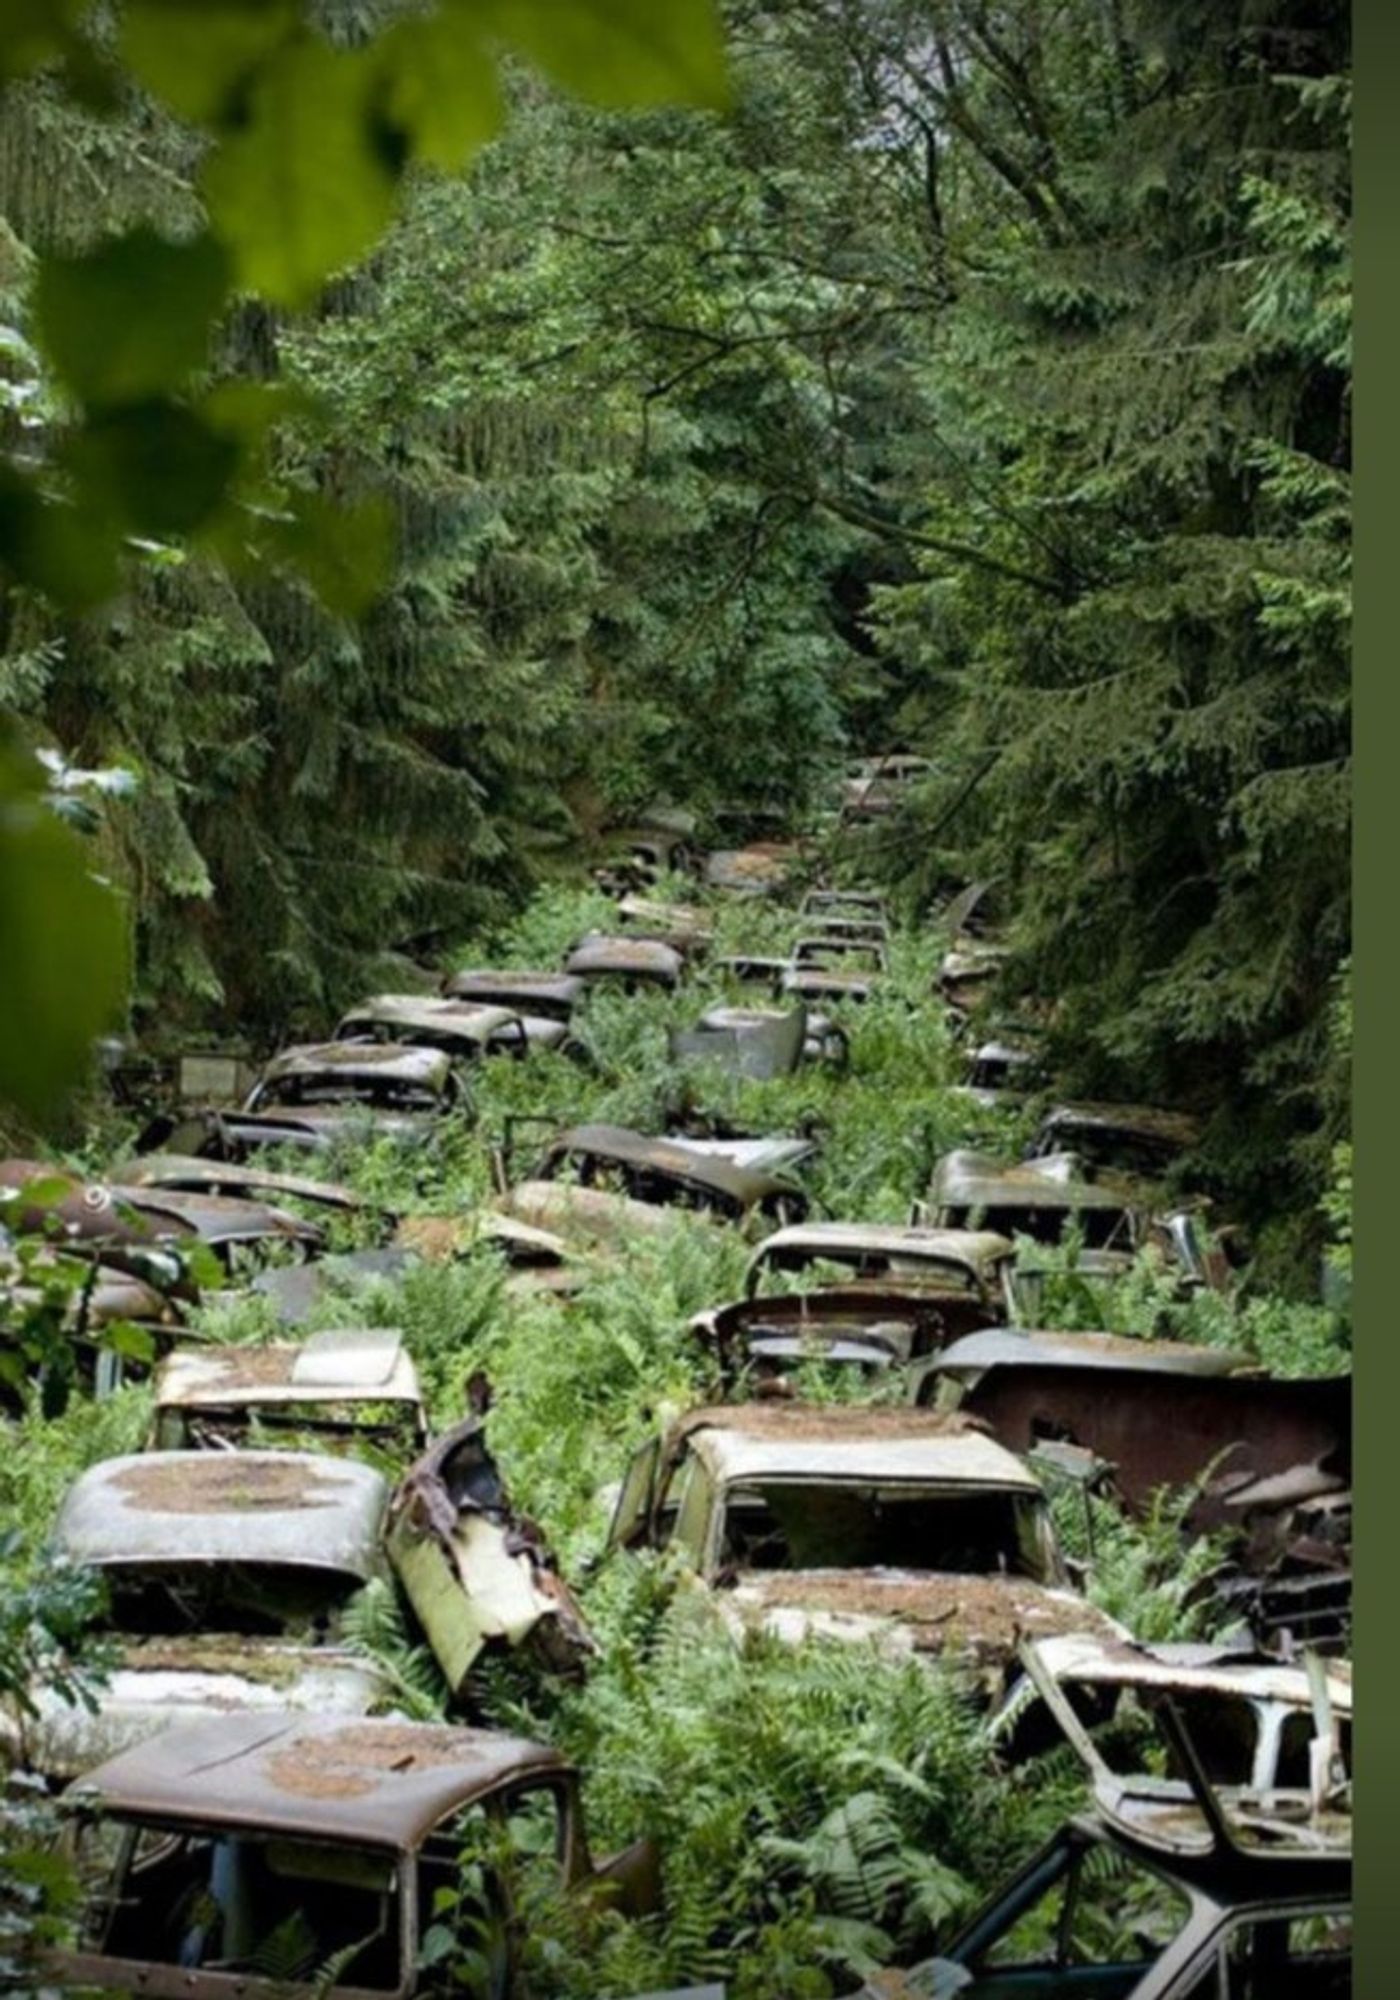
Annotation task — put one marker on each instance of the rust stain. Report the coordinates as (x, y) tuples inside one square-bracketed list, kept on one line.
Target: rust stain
[(354, 1761), (228, 1487)]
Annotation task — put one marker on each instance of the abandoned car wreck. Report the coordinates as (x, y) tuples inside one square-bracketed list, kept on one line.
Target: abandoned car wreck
[(355, 1834), (914, 1531)]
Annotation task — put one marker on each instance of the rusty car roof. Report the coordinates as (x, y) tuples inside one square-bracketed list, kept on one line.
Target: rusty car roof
[(400, 1062), (339, 1365), (374, 1781), (670, 919), (1018, 1347), (511, 986), (965, 1179), (297, 1508), (90, 1211), (746, 1185), (581, 1216), (976, 1251), (430, 1013), (825, 983), (782, 1440), (218, 1218), (193, 1175), (1176, 1128), (641, 957)]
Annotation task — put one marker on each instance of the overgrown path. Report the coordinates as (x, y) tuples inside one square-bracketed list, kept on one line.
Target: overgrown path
[(796, 1793)]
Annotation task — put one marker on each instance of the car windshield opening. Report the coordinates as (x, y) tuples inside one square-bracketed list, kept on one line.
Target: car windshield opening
[(374, 1092), (164, 1600), (791, 1524), (278, 1910)]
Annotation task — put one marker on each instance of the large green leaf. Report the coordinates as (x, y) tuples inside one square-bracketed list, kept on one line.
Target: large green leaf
[(65, 551), (131, 318), (199, 58), (63, 946), (441, 86), (303, 188), (158, 468), (619, 51)]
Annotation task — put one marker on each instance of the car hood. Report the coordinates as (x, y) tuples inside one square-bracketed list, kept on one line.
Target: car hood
[(159, 1682), (976, 1621)]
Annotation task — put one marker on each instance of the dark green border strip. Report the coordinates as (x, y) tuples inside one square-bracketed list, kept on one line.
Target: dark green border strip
[(1377, 970)]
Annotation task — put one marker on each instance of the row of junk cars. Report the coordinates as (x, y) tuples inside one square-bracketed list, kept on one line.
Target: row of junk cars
[(245, 1772)]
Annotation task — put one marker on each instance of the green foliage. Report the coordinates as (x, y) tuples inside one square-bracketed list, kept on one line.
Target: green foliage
[(64, 939)]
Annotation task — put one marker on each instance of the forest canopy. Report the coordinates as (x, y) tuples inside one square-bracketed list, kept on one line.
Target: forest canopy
[(637, 420)]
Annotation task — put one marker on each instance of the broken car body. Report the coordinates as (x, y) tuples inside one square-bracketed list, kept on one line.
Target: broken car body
[(476, 1573), (667, 1173), (915, 1531), (1171, 1888), (351, 1833), (754, 1042), (313, 1095), (1131, 1139), (226, 1573), (630, 963), (345, 1387), (1274, 1454), (955, 1278), (463, 1031), (1043, 1197), (1252, 1719)]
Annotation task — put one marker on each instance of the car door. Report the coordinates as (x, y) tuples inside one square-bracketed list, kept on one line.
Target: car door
[(475, 1572), (1274, 1954)]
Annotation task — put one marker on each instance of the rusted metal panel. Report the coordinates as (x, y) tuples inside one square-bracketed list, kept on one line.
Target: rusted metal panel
[(459, 1028), (187, 1508), (158, 1685), (476, 1572), (195, 1176), (1160, 1427), (651, 1164), (349, 1382), (960, 1259), (552, 995), (635, 961), (584, 1217), (1017, 1347), (380, 1783)]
